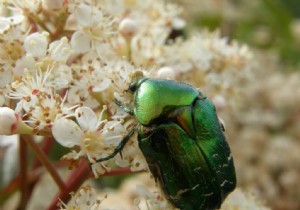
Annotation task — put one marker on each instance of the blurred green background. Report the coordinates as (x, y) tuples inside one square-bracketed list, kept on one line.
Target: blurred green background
[(271, 25)]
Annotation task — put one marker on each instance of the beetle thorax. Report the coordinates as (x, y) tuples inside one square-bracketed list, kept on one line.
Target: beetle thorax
[(156, 98)]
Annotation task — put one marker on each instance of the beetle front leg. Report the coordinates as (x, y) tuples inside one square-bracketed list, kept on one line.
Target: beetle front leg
[(120, 146), (125, 108)]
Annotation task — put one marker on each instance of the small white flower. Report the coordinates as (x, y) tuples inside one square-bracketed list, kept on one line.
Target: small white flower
[(26, 90), (11, 49), (85, 198), (94, 28), (7, 22), (96, 137), (36, 44), (120, 73), (189, 54), (152, 200), (46, 110), (79, 95), (90, 85)]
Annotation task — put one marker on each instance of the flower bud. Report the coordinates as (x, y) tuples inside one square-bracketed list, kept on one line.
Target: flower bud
[(166, 73), (128, 28), (219, 101), (10, 123)]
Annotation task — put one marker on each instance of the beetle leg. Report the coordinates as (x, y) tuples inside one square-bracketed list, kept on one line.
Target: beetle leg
[(120, 146), (125, 108)]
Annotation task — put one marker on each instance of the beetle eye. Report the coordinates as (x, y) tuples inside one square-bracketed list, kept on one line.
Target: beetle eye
[(132, 87)]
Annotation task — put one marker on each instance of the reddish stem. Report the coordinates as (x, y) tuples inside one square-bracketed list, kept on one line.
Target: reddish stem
[(45, 161), (45, 147), (32, 177), (75, 180)]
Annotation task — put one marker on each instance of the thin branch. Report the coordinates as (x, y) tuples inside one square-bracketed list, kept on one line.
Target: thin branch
[(78, 177), (45, 161), (33, 176), (75, 180), (46, 148)]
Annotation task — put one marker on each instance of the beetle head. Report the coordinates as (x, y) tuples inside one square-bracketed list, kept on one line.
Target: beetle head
[(136, 79)]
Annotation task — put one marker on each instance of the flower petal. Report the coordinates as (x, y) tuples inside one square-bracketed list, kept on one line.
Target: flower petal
[(67, 132), (60, 50), (104, 84), (80, 42), (84, 15), (86, 118), (36, 44)]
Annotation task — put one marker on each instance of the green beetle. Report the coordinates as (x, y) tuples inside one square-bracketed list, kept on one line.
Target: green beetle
[(183, 142)]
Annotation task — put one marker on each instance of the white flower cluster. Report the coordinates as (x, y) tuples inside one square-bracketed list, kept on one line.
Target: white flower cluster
[(85, 198), (62, 63), (148, 197)]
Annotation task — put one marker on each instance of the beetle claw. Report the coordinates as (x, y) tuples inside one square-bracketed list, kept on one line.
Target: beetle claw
[(121, 145)]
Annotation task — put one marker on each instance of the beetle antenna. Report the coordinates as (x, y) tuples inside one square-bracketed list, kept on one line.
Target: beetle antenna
[(125, 108), (120, 146)]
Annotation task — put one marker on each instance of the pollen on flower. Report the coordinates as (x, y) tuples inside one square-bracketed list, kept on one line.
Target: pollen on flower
[(11, 51)]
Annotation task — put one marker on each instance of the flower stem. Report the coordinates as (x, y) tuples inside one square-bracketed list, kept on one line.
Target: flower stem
[(45, 161), (23, 175), (45, 147), (32, 177), (75, 180)]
